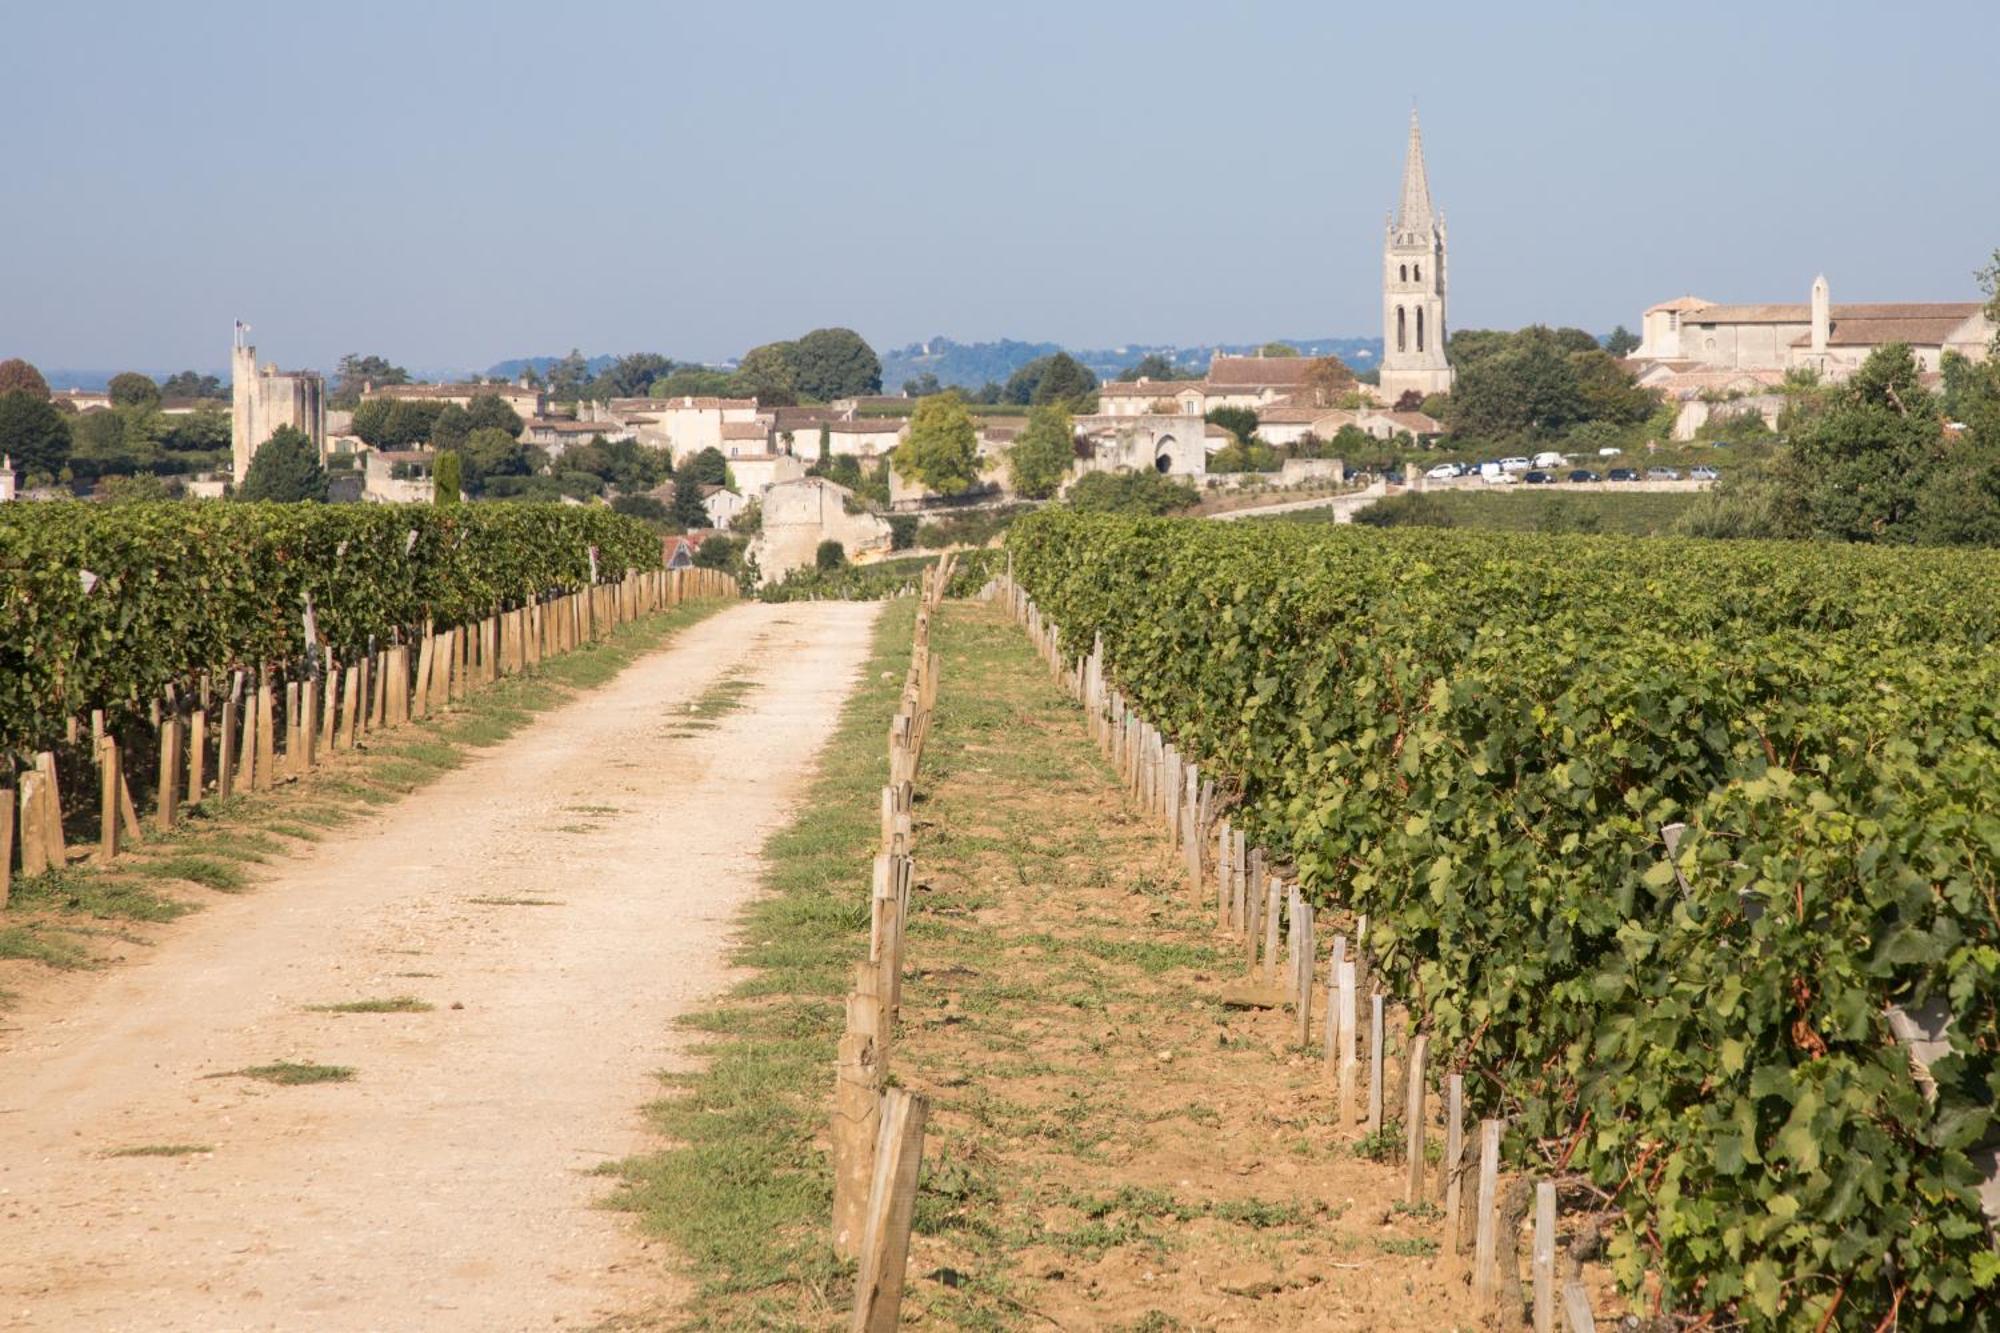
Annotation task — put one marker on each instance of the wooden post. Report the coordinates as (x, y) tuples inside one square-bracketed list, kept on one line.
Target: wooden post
[(197, 756), (266, 771), (350, 707), (1486, 1236), (1374, 1125), (295, 749), (1348, 1022), (892, 1199), (308, 732), (1305, 958), (107, 787), (1576, 1309), (6, 843), (1332, 1024), (420, 703), (1413, 1119), (329, 711), (1545, 1257), (1254, 902), (225, 751), (1454, 1156), (169, 804), (34, 843), (52, 823), (857, 1102)]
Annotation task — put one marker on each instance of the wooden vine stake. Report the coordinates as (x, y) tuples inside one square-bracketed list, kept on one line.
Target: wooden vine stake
[(225, 776), (170, 769), (1413, 1119), (108, 782), (51, 809), (1576, 1309), (197, 756), (34, 849), (1545, 1257), (6, 843), (1486, 1238), (892, 1199), (1454, 1156), (1348, 1023), (857, 1102), (1374, 1125)]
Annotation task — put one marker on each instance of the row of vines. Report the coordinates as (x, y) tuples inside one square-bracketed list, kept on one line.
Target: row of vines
[(1478, 738), (103, 607)]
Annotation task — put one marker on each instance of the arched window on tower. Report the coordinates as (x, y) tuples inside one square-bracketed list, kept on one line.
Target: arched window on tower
[(1418, 272), (1420, 328), (1400, 340), (1402, 273)]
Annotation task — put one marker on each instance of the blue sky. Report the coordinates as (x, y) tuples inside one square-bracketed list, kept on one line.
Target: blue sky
[(452, 183)]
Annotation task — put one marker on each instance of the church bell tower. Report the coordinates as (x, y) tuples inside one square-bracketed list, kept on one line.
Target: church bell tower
[(1413, 286)]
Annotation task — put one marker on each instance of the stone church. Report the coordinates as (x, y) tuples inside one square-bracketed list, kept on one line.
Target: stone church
[(1413, 286)]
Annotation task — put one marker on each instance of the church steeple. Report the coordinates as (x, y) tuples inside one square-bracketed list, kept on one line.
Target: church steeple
[(1415, 213)]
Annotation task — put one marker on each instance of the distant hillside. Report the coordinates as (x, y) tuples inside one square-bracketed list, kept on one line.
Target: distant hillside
[(972, 365), (511, 370)]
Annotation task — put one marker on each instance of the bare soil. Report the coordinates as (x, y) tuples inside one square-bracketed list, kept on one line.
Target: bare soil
[(557, 902)]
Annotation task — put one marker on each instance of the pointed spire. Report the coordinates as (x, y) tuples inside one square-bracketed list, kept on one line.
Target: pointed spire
[(1415, 214)]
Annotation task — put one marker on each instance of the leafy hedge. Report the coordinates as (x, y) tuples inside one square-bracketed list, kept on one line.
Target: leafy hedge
[(885, 578), (104, 606), (1478, 738)]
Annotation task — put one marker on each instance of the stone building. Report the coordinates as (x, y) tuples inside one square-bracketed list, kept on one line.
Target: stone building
[(263, 398), (1172, 444), (1413, 287), (802, 513), (525, 399), (1695, 335), (1254, 382)]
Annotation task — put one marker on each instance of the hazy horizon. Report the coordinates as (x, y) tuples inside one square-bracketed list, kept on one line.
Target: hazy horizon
[(452, 187)]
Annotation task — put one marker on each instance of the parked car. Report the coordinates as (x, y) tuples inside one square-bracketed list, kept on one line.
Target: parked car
[(1704, 473), (1515, 465), (1663, 474), (1446, 471), (1609, 452), (1623, 474), (1497, 477), (1584, 474), (1550, 459), (1540, 478)]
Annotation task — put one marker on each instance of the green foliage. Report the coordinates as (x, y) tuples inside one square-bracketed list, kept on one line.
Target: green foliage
[(1477, 738), (489, 453), (284, 470), (188, 384), (835, 363), (1409, 510), (706, 466), (1238, 421), (769, 373), (178, 589), (447, 479), (1621, 342), (941, 450), (1154, 366), (902, 531), (33, 432), (643, 507), (1131, 493), (397, 423), (1277, 349), (355, 371), (1240, 455), (18, 376), (1043, 453), (628, 377), (880, 579), (131, 389), (831, 555), (1863, 450), (451, 428), (1060, 378)]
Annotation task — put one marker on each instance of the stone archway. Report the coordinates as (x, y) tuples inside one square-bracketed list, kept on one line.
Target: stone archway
[(1163, 454)]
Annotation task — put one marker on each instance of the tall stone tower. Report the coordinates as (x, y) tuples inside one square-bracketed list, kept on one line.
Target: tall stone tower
[(264, 398), (1413, 277)]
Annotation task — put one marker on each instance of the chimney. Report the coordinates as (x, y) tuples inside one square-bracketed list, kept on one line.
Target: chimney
[(1822, 315)]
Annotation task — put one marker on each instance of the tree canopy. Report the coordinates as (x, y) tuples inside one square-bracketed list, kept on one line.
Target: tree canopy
[(33, 432), (1621, 341), (1154, 366), (940, 452), (131, 389), (355, 371), (835, 363), (447, 478), (1277, 349), (285, 470), (17, 376), (189, 384), (1043, 453), (1059, 378), (630, 376)]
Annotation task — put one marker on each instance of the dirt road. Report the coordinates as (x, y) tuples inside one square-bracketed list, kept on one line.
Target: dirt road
[(558, 900)]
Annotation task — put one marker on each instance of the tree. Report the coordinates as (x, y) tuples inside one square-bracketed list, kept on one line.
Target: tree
[(1132, 493), (17, 376), (1327, 380), (284, 470), (1412, 400), (1043, 453), (188, 384), (693, 382), (835, 363), (643, 507), (941, 450), (1528, 386), (1862, 453), (142, 489), (1277, 349), (131, 389), (630, 376), (490, 453), (707, 466), (396, 423), (33, 433), (1238, 421), (1153, 366), (451, 427), (690, 511), (445, 477), (1609, 391), (489, 411), (1060, 378), (923, 386), (568, 376), (355, 371), (830, 556), (205, 429), (1621, 341), (769, 374)]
